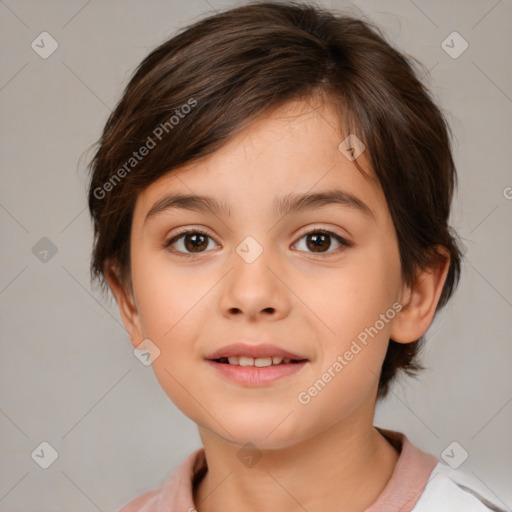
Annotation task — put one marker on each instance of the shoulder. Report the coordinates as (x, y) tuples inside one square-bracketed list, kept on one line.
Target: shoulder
[(177, 491), (144, 503), (458, 489)]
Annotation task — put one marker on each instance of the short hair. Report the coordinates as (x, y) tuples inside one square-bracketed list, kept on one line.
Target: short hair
[(216, 76)]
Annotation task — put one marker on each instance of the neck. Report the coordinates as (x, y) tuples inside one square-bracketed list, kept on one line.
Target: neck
[(345, 464)]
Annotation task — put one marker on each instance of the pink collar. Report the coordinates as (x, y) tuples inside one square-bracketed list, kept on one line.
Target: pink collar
[(409, 477), (402, 492)]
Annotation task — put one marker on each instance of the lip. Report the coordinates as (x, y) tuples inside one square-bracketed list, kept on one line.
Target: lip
[(253, 350), (253, 376)]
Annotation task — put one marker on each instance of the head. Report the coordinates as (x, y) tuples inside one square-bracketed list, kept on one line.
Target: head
[(253, 108)]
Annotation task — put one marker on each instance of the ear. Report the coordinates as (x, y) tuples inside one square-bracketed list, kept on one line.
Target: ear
[(126, 303), (419, 301)]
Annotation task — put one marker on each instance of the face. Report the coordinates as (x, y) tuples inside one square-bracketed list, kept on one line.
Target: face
[(321, 281)]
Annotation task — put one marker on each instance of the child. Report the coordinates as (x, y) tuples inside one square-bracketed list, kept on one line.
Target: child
[(270, 202)]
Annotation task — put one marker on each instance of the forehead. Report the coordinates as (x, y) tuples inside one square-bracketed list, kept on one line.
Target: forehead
[(293, 149)]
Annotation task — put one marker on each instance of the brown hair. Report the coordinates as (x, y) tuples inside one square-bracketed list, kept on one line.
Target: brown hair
[(213, 78)]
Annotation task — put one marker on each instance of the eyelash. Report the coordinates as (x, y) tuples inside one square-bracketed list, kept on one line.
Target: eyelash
[(344, 242)]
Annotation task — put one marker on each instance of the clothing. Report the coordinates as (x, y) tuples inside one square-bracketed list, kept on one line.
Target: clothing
[(419, 483)]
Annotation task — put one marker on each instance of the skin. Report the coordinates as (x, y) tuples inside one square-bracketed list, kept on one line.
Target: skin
[(317, 455)]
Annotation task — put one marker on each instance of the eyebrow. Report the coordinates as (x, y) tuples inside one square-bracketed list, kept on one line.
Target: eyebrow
[(284, 205)]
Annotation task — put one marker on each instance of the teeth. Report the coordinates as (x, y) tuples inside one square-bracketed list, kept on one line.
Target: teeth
[(260, 362), (263, 361), (246, 361)]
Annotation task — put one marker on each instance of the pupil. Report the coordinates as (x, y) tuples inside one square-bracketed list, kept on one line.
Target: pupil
[(195, 245), (318, 240)]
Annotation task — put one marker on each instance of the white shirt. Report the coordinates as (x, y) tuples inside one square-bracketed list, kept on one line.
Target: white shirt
[(458, 490)]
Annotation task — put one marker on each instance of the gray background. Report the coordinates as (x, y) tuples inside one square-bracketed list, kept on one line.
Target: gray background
[(68, 373)]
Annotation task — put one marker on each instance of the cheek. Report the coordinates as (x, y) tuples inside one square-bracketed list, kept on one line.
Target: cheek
[(172, 313), (166, 294), (356, 305), (336, 396), (352, 298)]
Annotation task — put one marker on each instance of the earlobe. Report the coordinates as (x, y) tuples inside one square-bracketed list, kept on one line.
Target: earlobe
[(126, 304), (419, 301)]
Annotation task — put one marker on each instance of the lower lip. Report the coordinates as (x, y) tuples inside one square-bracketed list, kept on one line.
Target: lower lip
[(254, 376)]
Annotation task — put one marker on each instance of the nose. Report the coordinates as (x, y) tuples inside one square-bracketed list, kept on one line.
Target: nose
[(253, 289)]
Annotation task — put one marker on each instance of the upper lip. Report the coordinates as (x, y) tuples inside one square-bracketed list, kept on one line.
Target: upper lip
[(251, 350)]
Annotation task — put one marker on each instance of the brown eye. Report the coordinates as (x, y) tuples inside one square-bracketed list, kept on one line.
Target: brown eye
[(320, 242), (195, 242), (189, 242)]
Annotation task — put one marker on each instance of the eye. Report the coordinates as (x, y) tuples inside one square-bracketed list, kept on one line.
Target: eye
[(196, 241), (319, 241), (193, 240)]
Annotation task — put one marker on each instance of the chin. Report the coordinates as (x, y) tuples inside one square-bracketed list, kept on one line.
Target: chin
[(266, 432)]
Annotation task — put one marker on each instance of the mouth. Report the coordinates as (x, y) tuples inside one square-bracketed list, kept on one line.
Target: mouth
[(259, 362), (251, 354), (254, 365), (259, 371)]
